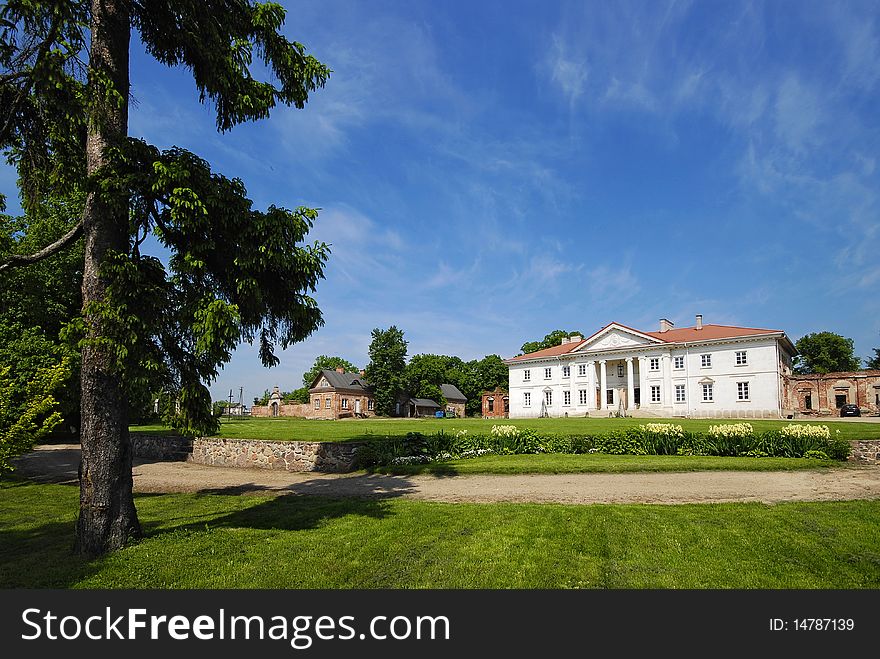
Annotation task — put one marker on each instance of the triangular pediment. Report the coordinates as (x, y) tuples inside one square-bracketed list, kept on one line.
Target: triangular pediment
[(614, 337)]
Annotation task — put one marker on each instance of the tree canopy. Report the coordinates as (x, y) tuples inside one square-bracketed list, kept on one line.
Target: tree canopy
[(235, 273), (552, 339), (825, 352), (323, 362), (386, 369)]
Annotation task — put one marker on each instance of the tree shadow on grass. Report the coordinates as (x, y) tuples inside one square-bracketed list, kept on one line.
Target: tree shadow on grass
[(297, 513), (438, 469)]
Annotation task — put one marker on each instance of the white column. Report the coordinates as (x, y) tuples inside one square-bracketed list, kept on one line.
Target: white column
[(591, 385), (630, 385), (603, 384), (644, 394)]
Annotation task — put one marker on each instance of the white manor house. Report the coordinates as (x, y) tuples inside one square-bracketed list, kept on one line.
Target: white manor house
[(700, 371)]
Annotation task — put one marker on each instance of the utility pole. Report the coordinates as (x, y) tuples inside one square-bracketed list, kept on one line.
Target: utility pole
[(229, 409)]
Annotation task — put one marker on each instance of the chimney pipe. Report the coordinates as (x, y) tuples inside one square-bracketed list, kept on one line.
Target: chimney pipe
[(666, 325), (699, 321)]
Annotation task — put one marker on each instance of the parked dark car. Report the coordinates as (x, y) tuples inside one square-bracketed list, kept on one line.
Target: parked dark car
[(850, 409)]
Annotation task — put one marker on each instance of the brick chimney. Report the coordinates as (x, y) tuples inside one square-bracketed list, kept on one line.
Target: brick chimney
[(699, 321), (666, 325), (362, 373), (564, 340), (575, 338), (339, 369)]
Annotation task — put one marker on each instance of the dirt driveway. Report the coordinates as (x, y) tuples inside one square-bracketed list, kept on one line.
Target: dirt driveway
[(58, 463)]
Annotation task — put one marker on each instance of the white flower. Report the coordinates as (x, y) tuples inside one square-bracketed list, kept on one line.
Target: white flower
[(664, 429), (731, 430), (803, 430), (505, 431)]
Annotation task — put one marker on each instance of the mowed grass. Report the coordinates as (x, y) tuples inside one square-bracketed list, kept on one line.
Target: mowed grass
[(596, 463), (214, 541), (360, 429)]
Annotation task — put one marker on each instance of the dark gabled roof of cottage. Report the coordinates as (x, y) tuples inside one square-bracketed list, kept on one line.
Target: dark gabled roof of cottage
[(337, 380), (423, 402), (452, 393)]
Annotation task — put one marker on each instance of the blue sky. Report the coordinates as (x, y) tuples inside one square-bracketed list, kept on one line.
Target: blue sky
[(491, 171)]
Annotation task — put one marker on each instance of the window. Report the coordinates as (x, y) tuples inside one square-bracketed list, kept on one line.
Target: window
[(655, 394), (317, 403), (655, 364), (808, 402), (609, 396), (345, 403), (566, 398), (490, 404), (679, 393), (678, 362), (708, 393), (582, 370), (327, 402), (741, 358), (370, 405), (742, 390), (620, 370), (582, 396), (527, 399), (548, 373), (548, 398), (506, 405), (527, 375), (705, 361), (566, 371)]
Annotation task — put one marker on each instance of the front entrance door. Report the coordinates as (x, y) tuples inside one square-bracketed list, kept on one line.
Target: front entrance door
[(357, 406)]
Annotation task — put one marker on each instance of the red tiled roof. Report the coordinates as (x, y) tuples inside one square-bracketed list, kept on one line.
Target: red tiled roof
[(708, 332), (682, 335), (550, 352)]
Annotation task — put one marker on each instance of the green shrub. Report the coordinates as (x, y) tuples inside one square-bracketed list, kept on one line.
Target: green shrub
[(628, 442), (817, 455)]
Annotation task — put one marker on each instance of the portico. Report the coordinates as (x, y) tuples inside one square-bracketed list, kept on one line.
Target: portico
[(710, 370)]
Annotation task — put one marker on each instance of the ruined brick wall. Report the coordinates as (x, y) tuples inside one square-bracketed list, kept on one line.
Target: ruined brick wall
[(859, 387)]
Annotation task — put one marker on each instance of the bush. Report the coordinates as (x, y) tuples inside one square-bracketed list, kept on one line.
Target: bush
[(739, 439)]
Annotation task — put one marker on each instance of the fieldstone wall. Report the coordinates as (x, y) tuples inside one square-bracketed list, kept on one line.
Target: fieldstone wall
[(337, 457), (865, 450), (167, 448)]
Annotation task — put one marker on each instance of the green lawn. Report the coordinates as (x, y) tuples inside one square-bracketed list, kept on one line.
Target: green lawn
[(212, 541), (596, 463), (358, 429)]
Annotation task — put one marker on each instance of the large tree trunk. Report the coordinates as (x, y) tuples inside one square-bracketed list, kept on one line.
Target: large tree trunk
[(107, 518)]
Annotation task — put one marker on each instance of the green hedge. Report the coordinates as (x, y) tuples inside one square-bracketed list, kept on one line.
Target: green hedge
[(669, 440)]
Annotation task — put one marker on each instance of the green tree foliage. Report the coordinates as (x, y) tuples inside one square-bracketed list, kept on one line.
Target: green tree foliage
[(425, 373), (484, 375), (24, 424), (37, 303), (386, 369), (323, 362), (554, 338), (873, 362), (64, 88), (825, 352)]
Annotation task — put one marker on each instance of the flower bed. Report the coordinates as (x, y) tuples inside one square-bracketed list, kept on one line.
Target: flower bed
[(738, 439)]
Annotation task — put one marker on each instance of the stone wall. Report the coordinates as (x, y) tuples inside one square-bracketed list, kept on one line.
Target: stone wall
[(337, 457), (865, 451), (166, 448)]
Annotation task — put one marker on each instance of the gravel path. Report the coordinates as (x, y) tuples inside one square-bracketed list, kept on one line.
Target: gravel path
[(58, 463)]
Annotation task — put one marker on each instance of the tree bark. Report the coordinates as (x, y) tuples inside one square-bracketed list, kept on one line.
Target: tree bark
[(107, 518)]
